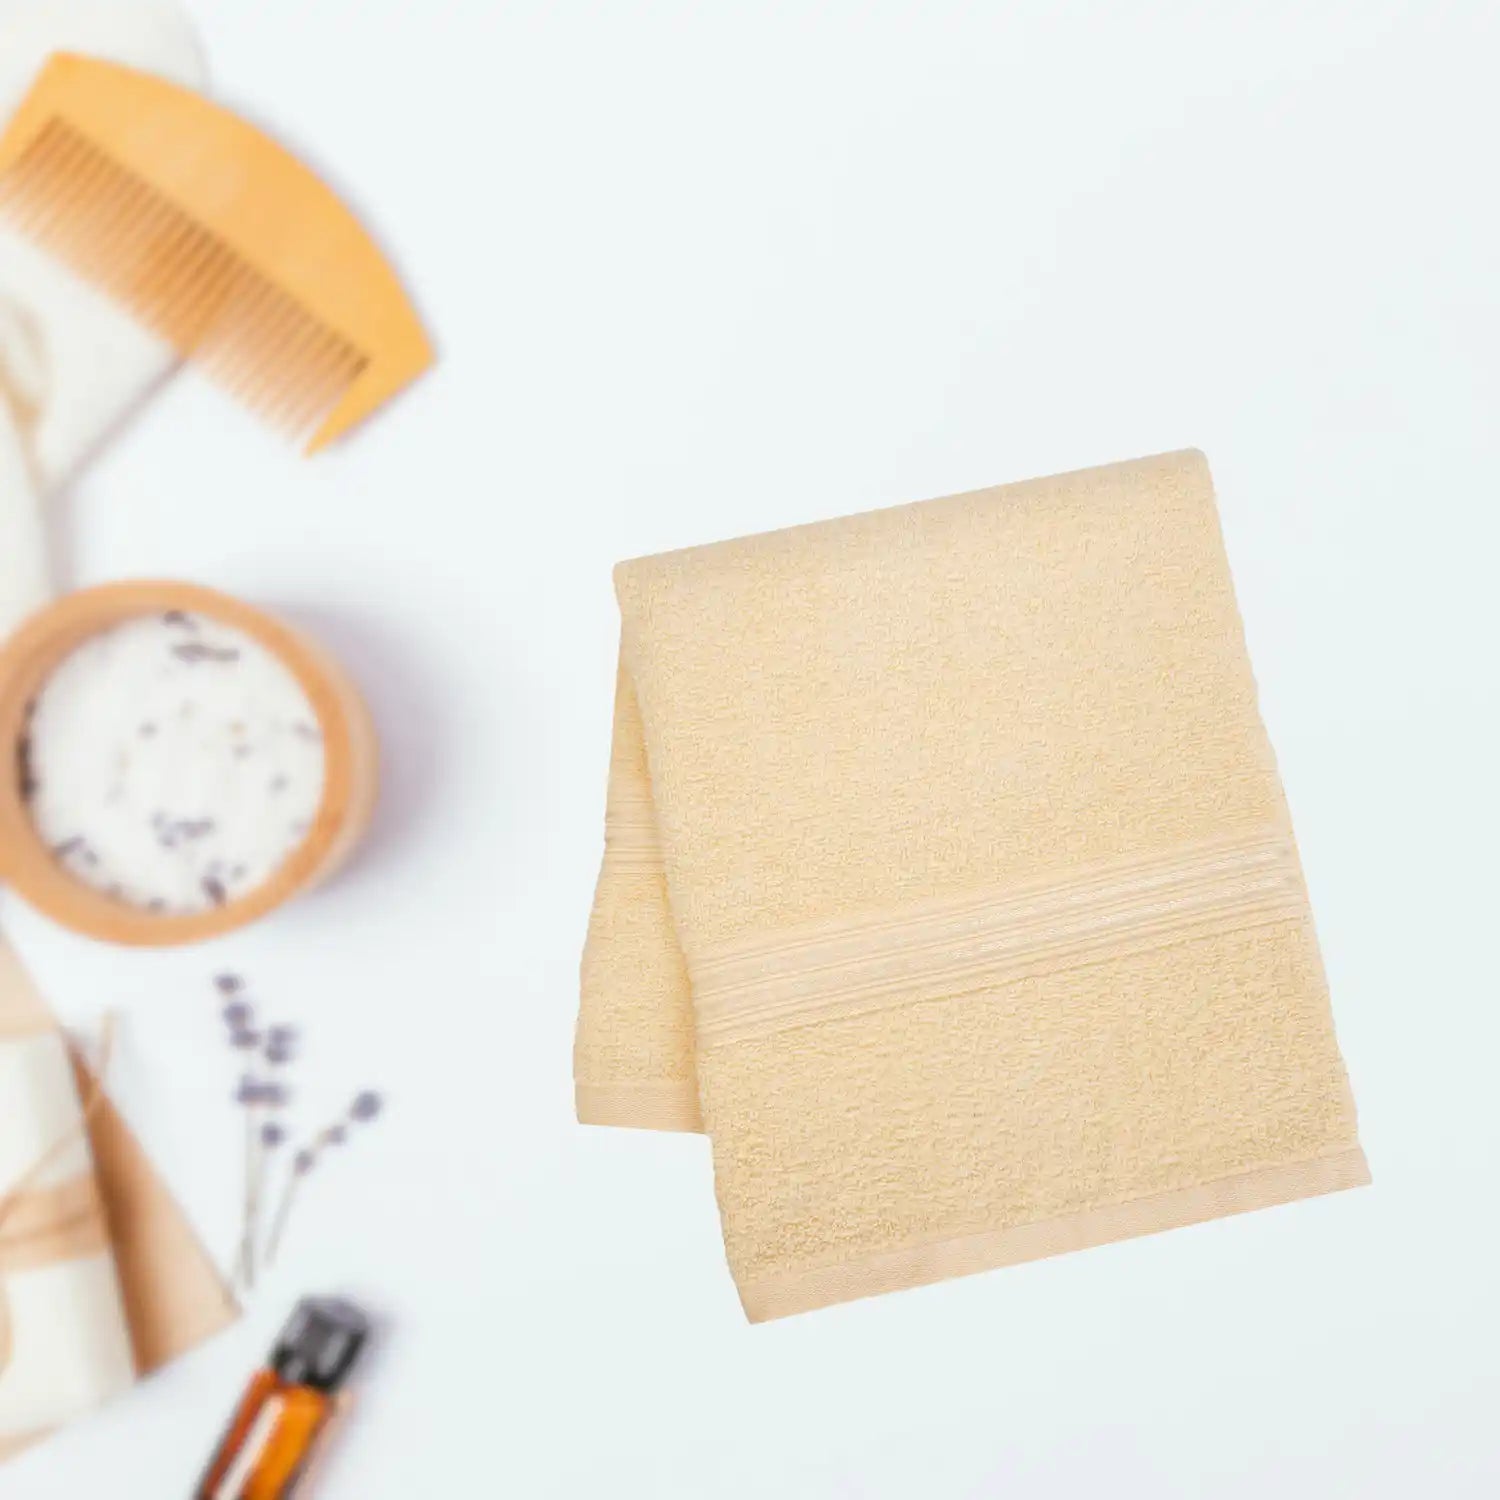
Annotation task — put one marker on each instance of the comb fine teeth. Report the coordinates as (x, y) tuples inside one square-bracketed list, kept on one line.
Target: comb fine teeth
[(216, 238), (181, 280)]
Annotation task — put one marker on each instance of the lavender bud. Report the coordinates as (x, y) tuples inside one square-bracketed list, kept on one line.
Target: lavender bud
[(304, 1161), (229, 984), (366, 1106), (335, 1135), (281, 1043), (245, 1039), (271, 1135), (248, 1092), (238, 1014), (270, 1093)]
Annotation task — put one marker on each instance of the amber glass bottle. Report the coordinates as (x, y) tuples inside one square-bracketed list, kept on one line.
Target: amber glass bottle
[(268, 1442)]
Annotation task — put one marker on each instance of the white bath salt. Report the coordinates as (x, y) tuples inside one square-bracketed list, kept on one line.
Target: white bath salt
[(173, 763)]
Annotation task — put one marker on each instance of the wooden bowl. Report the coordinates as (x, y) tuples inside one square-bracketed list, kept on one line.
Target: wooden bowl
[(349, 772)]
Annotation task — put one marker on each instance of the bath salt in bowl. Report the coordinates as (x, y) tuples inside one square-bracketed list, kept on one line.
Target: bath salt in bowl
[(173, 762), (182, 763)]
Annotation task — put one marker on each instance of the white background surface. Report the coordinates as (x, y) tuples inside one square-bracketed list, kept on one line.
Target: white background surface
[(705, 268)]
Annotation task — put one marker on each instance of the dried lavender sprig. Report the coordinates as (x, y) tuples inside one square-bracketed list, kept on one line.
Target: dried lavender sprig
[(245, 1097), (367, 1104), (239, 1017), (281, 1046), (302, 1163), (258, 1094), (269, 1138)]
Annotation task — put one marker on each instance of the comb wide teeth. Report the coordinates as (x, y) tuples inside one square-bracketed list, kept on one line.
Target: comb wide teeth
[(180, 279)]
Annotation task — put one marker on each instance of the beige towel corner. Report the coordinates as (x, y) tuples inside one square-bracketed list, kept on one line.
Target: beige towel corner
[(633, 1060), (960, 899)]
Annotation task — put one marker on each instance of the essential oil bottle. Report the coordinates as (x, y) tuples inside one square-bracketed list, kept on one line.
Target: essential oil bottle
[(287, 1405)]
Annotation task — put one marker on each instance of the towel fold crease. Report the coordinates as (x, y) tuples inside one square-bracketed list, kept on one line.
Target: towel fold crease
[(950, 887)]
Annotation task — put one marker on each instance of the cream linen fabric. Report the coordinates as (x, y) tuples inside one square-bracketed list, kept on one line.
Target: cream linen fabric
[(64, 1343), (59, 1301), (72, 364), (959, 901)]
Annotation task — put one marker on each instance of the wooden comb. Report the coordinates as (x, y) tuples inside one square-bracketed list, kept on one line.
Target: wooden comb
[(216, 238)]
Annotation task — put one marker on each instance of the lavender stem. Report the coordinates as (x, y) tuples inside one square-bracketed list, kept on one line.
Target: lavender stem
[(247, 1223), (283, 1209)]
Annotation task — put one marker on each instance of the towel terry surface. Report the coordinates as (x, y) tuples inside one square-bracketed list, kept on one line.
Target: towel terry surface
[(950, 887)]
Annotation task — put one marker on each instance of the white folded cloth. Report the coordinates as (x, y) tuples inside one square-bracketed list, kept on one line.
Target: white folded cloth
[(72, 366), (64, 1343), (72, 363)]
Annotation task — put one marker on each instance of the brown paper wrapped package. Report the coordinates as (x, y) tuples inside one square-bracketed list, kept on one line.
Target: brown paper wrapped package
[(950, 887), (174, 1297)]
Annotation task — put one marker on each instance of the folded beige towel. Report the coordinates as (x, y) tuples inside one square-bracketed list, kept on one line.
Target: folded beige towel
[(960, 896)]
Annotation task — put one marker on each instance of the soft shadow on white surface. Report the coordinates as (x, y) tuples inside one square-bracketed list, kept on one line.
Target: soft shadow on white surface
[(412, 721)]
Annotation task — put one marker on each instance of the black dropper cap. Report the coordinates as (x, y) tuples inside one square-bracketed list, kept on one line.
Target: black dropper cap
[(320, 1343)]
